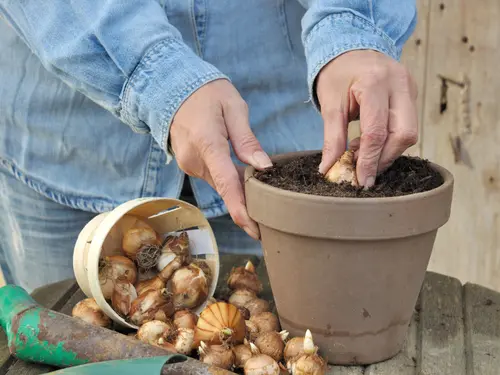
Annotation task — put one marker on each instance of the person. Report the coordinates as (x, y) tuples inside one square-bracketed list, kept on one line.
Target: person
[(105, 101)]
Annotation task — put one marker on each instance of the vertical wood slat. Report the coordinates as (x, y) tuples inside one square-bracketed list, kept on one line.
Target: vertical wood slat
[(463, 45)]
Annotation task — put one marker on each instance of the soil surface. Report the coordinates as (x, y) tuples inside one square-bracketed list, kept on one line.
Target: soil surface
[(407, 175)]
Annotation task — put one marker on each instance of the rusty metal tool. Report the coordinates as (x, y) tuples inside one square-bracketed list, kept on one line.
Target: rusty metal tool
[(40, 335)]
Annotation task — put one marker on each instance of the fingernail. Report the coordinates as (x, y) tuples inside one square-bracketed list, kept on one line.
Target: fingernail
[(261, 159), (320, 168), (251, 233), (369, 182)]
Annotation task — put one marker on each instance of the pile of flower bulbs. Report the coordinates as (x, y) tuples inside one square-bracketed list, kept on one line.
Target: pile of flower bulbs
[(240, 334)]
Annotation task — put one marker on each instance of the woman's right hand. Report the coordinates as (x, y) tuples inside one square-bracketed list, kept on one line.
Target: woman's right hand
[(199, 135)]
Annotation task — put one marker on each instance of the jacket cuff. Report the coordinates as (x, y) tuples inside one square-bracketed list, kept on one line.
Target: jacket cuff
[(337, 34), (166, 76)]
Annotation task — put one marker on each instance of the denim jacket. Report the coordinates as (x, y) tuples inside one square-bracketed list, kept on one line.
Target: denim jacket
[(88, 88)]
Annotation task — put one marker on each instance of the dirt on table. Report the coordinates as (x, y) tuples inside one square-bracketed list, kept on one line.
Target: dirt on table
[(407, 175)]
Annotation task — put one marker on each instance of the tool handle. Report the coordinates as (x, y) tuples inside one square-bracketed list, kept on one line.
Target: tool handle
[(13, 301)]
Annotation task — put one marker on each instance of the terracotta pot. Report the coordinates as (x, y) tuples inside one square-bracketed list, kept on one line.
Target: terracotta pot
[(348, 269)]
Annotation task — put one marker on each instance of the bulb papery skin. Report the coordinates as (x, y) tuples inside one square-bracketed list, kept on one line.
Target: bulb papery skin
[(309, 364), (123, 296), (293, 348), (164, 259), (185, 319), (113, 267), (245, 278), (252, 330), (257, 306), (266, 322), (242, 353), (167, 272), (152, 305), (217, 355), (136, 239), (272, 344), (241, 297), (343, 170), (178, 245), (189, 287), (183, 342), (261, 364), (150, 332), (155, 283), (89, 311)]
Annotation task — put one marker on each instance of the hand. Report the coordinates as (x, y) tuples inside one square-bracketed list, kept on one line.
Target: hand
[(199, 134), (382, 93)]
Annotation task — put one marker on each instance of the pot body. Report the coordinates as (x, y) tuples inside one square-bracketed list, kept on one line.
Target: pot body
[(348, 269)]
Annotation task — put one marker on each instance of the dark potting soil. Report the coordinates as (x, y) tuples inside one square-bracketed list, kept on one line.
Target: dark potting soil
[(407, 175)]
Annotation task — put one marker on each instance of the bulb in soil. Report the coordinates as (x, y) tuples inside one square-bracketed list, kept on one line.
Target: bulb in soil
[(240, 297), (260, 364), (309, 363), (266, 322), (257, 306), (153, 330), (185, 319), (189, 287), (252, 330), (220, 323), (89, 311), (122, 297), (242, 353), (245, 278), (272, 344), (216, 355), (183, 341), (293, 348), (113, 267), (138, 239), (155, 283), (152, 305), (343, 170)]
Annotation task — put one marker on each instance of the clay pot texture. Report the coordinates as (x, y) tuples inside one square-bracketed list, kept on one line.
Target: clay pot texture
[(348, 269)]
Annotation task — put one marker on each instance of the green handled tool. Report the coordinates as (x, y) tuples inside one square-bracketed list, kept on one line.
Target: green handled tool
[(40, 335)]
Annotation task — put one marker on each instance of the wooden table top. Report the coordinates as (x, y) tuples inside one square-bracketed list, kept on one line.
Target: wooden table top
[(455, 328)]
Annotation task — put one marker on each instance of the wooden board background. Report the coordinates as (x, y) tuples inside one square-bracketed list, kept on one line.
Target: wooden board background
[(460, 40)]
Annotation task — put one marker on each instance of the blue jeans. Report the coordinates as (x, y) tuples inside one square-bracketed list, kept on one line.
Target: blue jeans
[(37, 236)]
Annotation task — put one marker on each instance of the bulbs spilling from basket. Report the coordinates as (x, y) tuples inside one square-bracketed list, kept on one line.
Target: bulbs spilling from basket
[(240, 333)]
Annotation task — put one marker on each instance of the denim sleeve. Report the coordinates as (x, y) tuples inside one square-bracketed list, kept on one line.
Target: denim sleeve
[(332, 27), (123, 55)]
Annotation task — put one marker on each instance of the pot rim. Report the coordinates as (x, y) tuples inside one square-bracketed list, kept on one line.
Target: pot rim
[(250, 178)]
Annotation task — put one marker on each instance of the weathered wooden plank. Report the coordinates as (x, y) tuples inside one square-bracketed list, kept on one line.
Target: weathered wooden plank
[(463, 45), (482, 324), (442, 329)]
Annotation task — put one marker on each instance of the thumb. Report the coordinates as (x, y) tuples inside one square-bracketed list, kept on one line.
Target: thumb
[(246, 146)]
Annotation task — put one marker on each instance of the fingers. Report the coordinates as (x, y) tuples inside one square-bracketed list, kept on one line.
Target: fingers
[(403, 133), (374, 116), (246, 146), (224, 178), (335, 135)]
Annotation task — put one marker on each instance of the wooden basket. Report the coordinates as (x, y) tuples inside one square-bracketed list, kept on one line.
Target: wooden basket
[(103, 236)]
